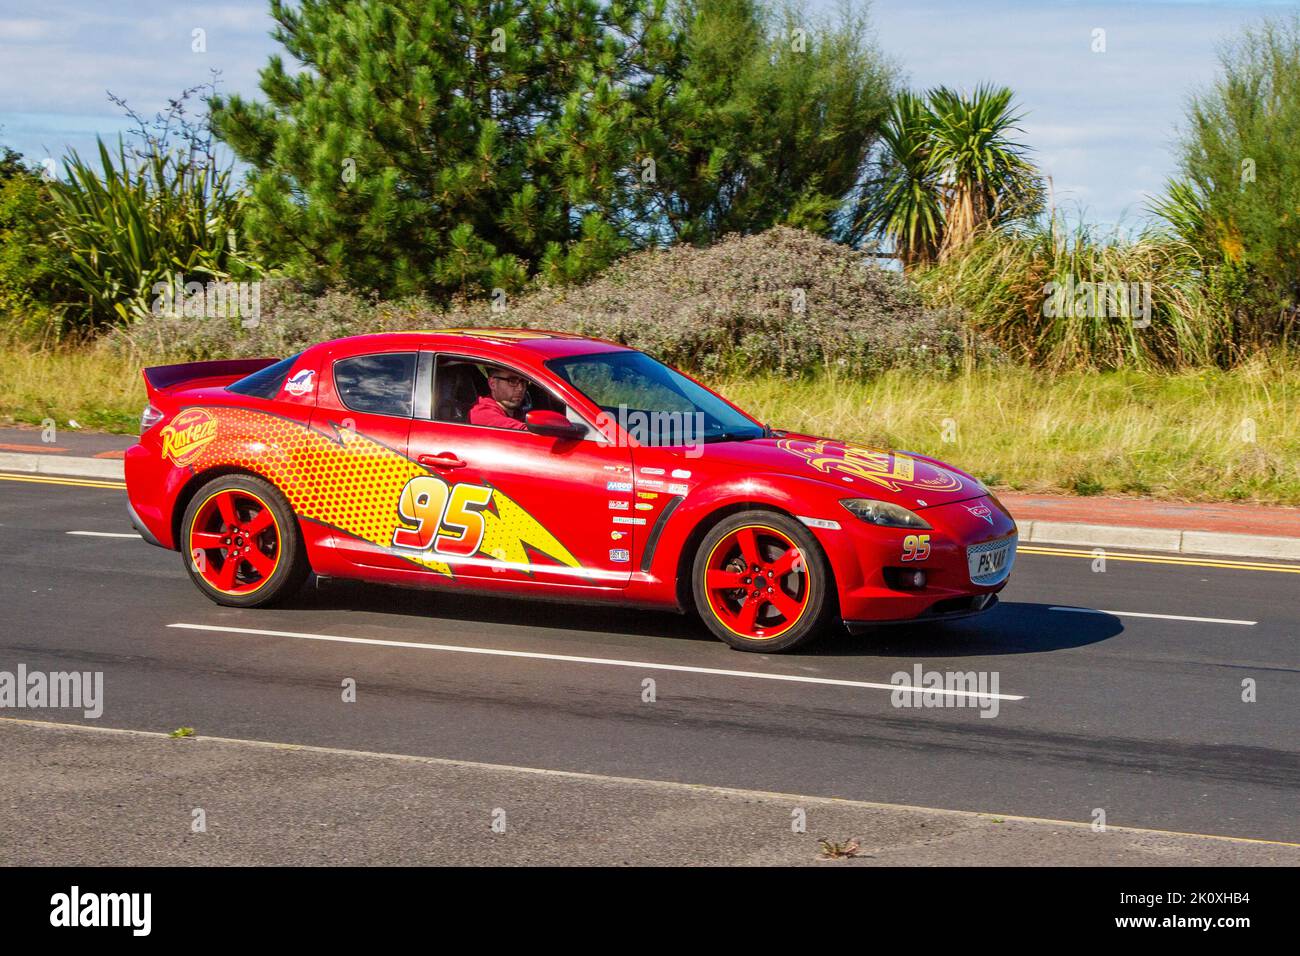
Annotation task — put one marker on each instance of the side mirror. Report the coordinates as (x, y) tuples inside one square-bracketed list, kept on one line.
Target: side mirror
[(554, 424)]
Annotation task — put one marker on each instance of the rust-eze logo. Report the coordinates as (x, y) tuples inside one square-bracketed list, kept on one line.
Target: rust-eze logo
[(887, 469), (187, 435)]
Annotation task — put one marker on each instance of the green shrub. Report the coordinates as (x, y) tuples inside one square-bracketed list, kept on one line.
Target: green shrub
[(127, 226), (34, 289), (783, 301), (1237, 194), (1003, 281)]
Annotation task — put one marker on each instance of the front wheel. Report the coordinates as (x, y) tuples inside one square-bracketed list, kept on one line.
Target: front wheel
[(241, 544), (761, 582)]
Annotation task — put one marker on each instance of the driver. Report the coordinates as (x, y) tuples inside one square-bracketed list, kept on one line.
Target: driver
[(504, 407)]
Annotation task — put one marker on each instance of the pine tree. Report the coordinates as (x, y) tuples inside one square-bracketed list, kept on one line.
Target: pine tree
[(762, 117), (445, 146), (451, 146)]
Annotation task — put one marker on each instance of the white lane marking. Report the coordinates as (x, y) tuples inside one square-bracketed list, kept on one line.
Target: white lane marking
[(609, 662), (1163, 617), (105, 534)]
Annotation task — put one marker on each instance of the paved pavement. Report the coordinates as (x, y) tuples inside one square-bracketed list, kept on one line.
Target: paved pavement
[(1230, 517), (63, 442), (150, 800), (1160, 691)]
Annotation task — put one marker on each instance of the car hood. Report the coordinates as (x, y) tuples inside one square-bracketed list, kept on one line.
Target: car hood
[(911, 480)]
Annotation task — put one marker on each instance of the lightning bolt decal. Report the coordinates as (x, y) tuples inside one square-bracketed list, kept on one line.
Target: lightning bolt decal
[(355, 484)]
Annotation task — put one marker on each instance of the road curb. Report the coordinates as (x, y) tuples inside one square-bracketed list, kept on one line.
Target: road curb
[(1032, 530), (1159, 539), (61, 465)]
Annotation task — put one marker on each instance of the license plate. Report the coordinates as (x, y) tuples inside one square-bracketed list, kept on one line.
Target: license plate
[(990, 563)]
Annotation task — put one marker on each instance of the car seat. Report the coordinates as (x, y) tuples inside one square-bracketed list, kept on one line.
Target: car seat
[(458, 387)]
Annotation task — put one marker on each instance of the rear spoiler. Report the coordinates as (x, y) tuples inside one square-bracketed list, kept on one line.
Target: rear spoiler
[(166, 378)]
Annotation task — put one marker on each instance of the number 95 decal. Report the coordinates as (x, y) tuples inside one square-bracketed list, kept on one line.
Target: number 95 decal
[(916, 547), (450, 521)]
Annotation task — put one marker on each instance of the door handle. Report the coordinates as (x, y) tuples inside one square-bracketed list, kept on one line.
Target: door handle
[(444, 460)]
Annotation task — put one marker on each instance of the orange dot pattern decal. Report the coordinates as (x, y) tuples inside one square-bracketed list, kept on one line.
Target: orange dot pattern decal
[(352, 483)]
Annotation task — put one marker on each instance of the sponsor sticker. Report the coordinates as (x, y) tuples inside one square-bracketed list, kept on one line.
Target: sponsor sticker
[(647, 495), (618, 486), (824, 523), (981, 511), (652, 471), (681, 473), (620, 555), (642, 506), (188, 434), (652, 483), (301, 383), (617, 535), (623, 519), (618, 505), (679, 489)]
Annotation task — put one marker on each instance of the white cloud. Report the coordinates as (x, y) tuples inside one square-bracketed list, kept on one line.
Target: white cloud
[(1102, 124), (23, 30)]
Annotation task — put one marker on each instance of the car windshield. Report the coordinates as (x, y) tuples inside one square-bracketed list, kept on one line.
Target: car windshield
[(653, 403)]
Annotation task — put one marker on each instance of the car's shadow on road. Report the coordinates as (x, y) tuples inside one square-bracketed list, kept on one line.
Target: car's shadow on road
[(1017, 627)]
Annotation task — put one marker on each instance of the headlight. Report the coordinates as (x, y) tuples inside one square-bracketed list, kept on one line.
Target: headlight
[(884, 514)]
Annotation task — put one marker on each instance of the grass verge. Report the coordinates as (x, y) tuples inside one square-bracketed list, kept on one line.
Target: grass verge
[(96, 389), (1204, 435)]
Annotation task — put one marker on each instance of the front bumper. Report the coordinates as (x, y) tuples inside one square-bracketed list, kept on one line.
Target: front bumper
[(952, 609), (860, 556)]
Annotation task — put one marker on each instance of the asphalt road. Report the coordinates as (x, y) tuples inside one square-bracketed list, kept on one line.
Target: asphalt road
[(1140, 717)]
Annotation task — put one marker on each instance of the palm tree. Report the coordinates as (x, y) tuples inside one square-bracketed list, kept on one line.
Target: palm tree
[(906, 203), (987, 178), (948, 167)]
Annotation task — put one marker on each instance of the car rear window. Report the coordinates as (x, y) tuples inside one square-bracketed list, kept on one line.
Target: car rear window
[(383, 384), (266, 382)]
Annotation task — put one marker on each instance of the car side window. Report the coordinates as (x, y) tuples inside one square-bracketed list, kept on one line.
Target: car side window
[(383, 383), (459, 383)]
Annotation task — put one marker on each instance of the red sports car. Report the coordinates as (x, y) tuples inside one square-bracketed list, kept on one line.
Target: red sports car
[(548, 465)]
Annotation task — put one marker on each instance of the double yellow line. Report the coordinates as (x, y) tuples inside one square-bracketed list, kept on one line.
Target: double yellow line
[(1162, 559), (55, 480)]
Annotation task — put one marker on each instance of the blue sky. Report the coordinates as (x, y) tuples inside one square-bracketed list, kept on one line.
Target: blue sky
[(1101, 124)]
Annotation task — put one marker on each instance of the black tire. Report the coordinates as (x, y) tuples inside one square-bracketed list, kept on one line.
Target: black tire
[(809, 587), (255, 588)]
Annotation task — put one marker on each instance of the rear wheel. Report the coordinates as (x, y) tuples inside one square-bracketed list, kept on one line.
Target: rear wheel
[(760, 582), (241, 544)]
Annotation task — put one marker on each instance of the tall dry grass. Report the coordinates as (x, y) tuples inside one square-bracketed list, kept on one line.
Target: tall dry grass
[(1203, 435), (1001, 284)]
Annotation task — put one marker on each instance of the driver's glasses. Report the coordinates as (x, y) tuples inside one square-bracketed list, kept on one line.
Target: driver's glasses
[(512, 380)]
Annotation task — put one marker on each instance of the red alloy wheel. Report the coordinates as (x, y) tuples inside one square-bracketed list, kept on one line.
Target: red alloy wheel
[(235, 541), (757, 582)]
